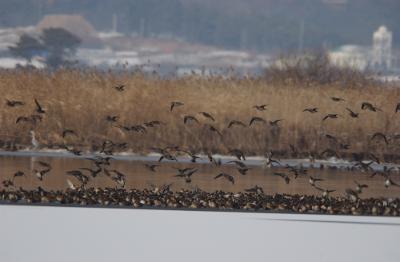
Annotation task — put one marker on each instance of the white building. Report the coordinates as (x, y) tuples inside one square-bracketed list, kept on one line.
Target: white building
[(382, 48)]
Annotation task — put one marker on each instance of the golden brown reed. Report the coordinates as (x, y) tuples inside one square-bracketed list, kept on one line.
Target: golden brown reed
[(81, 100)]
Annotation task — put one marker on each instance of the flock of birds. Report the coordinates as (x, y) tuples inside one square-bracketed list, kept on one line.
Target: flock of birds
[(102, 160)]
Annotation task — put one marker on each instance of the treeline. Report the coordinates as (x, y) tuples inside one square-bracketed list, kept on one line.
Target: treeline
[(256, 25)]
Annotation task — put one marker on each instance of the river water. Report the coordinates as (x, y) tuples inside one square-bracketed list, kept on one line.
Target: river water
[(138, 176)]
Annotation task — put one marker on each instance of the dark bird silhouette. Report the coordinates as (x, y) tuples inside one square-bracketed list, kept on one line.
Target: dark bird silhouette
[(186, 174), (352, 114), (192, 156), (153, 123), (150, 167), (275, 122), (337, 99), (364, 166), (41, 173), (230, 178), (369, 106), (68, 132), (256, 119), (243, 171), (260, 107), (93, 172), (175, 104), (297, 171), (119, 88), (255, 189), (360, 187), (330, 116), (325, 192), (166, 155), (138, 129), (269, 159), (380, 135), (72, 150), (213, 129), (397, 109), (22, 119), (39, 108), (311, 110), (14, 103), (188, 118), (18, 174), (238, 163), (238, 154), (237, 123), (44, 164), (119, 178), (216, 162), (329, 152), (207, 115), (82, 178), (284, 176), (313, 180), (112, 119)]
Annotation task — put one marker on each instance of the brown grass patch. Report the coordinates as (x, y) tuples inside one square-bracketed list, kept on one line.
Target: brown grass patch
[(81, 100)]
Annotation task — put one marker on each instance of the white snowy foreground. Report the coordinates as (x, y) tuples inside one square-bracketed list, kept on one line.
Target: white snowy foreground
[(39, 233)]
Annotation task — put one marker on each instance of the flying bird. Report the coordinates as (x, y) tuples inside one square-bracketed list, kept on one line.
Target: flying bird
[(260, 107), (175, 104), (207, 115), (352, 114), (256, 119), (188, 118), (236, 122), (284, 176), (369, 106), (311, 110), (119, 88), (39, 108), (230, 178), (330, 116), (14, 103), (380, 135), (337, 99)]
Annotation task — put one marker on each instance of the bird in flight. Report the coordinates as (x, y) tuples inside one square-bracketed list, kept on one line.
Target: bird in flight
[(175, 104), (14, 103), (311, 110), (380, 135), (230, 178), (39, 108), (119, 88), (337, 99), (352, 114), (207, 115), (370, 107), (257, 119), (261, 107)]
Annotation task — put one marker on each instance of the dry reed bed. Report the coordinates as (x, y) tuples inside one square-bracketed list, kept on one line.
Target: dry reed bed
[(81, 100)]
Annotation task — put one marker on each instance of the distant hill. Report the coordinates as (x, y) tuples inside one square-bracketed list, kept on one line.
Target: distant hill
[(261, 25)]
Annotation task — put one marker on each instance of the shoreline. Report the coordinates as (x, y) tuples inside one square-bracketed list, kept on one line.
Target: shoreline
[(201, 200)]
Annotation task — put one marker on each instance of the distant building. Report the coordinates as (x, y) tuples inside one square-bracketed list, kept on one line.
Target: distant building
[(379, 56), (382, 49), (352, 56)]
